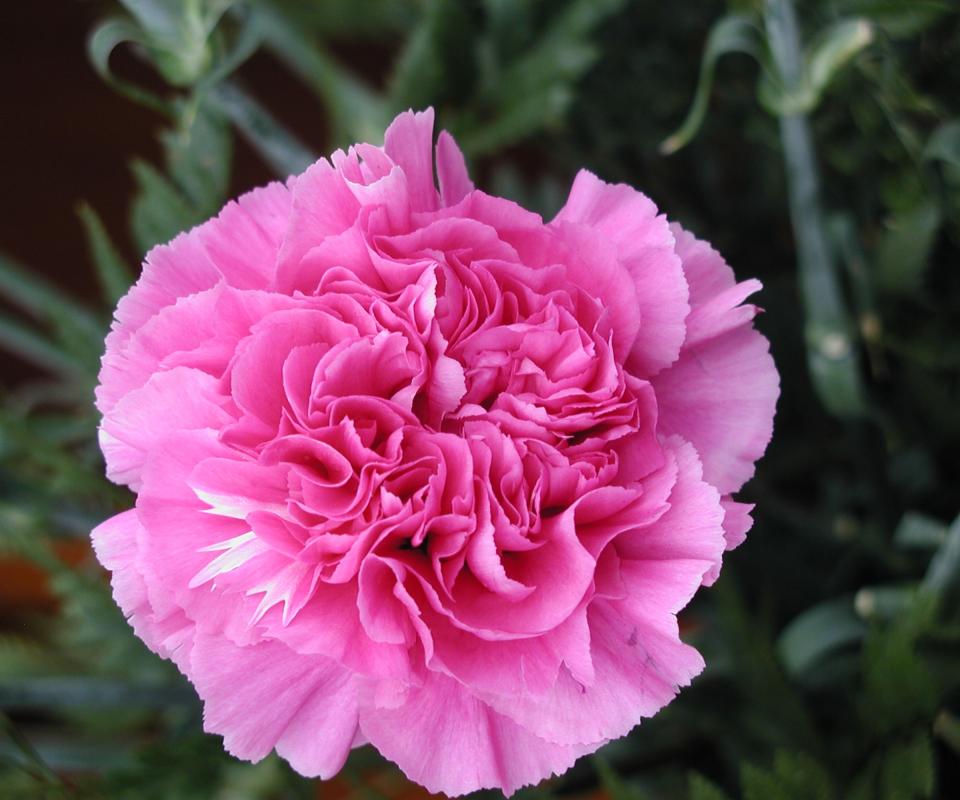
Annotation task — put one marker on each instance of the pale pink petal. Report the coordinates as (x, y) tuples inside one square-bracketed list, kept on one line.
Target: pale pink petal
[(178, 399), (691, 530), (310, 717), (199, 331), (449, 741), (115, 544), (736, 521), (243, 241), (638, 671)]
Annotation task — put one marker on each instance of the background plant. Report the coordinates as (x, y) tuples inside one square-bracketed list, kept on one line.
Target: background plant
[(816, 143)]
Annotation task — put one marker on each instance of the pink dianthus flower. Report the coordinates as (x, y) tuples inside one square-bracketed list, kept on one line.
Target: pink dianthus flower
[(417, 469)]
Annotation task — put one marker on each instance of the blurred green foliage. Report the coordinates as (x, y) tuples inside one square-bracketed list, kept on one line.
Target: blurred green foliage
[(827, 163)]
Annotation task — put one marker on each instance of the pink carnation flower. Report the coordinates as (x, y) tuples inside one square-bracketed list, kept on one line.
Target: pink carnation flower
[(415, 468)]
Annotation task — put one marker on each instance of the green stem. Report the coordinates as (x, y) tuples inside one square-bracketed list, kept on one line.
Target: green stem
[(831, 350)]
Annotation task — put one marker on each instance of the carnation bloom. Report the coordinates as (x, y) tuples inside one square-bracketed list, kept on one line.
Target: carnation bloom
[(417, 469)]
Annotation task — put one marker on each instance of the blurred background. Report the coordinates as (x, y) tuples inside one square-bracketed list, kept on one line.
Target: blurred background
[(816, 143)]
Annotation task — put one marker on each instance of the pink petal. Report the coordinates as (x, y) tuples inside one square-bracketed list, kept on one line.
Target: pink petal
[(638, 671), (311, 716), (455, 182), (645, 247), (409, 143), (449, 741), (691, 531), (323, 206), (721, 396), (199, 331), (179, 399), (595, 266), (115, 545), (244, 239)]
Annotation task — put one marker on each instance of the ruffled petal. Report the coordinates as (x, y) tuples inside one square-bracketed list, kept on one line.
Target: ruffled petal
[(646, 249), (311, 715), (178, 399), (449, 741)]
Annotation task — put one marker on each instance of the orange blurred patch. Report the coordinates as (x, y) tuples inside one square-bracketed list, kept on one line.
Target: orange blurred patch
[(24, 586)]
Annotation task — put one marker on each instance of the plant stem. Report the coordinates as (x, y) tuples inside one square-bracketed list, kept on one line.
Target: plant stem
[(832, 355)]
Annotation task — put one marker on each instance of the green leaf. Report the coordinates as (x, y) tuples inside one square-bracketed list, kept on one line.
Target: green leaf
[(534, 89), (823, 60), (834, 48), (884, 602), (908, 770), (920, 531), (358, 113), (900, 19), (34, 762), (198, 155), (42, 300), (21, 341), (228, 59), (177, 34), (903, 253), (437, 56), (734, 33), (943, 574), (818, 632), (115, 278), (617, 788), (703, 789), (104, 39), (283, 152), (944, 144), (794, 776), (946, 727), (898, 686), (159, 211)]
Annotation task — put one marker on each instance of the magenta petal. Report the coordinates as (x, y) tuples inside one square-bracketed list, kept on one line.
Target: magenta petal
[(646, 247), (409, 143), (455, 183)]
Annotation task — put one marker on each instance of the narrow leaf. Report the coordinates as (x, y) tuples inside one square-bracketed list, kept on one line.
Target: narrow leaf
[(731, 34), (199, 153), (359, 114), (114, 276), (903, 253), (159, 211), (816, 633), (944, 570), (40, 299), (703, 789), (944, 144), (284, 153), (919, 530), (21, 341), (106, 37)]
